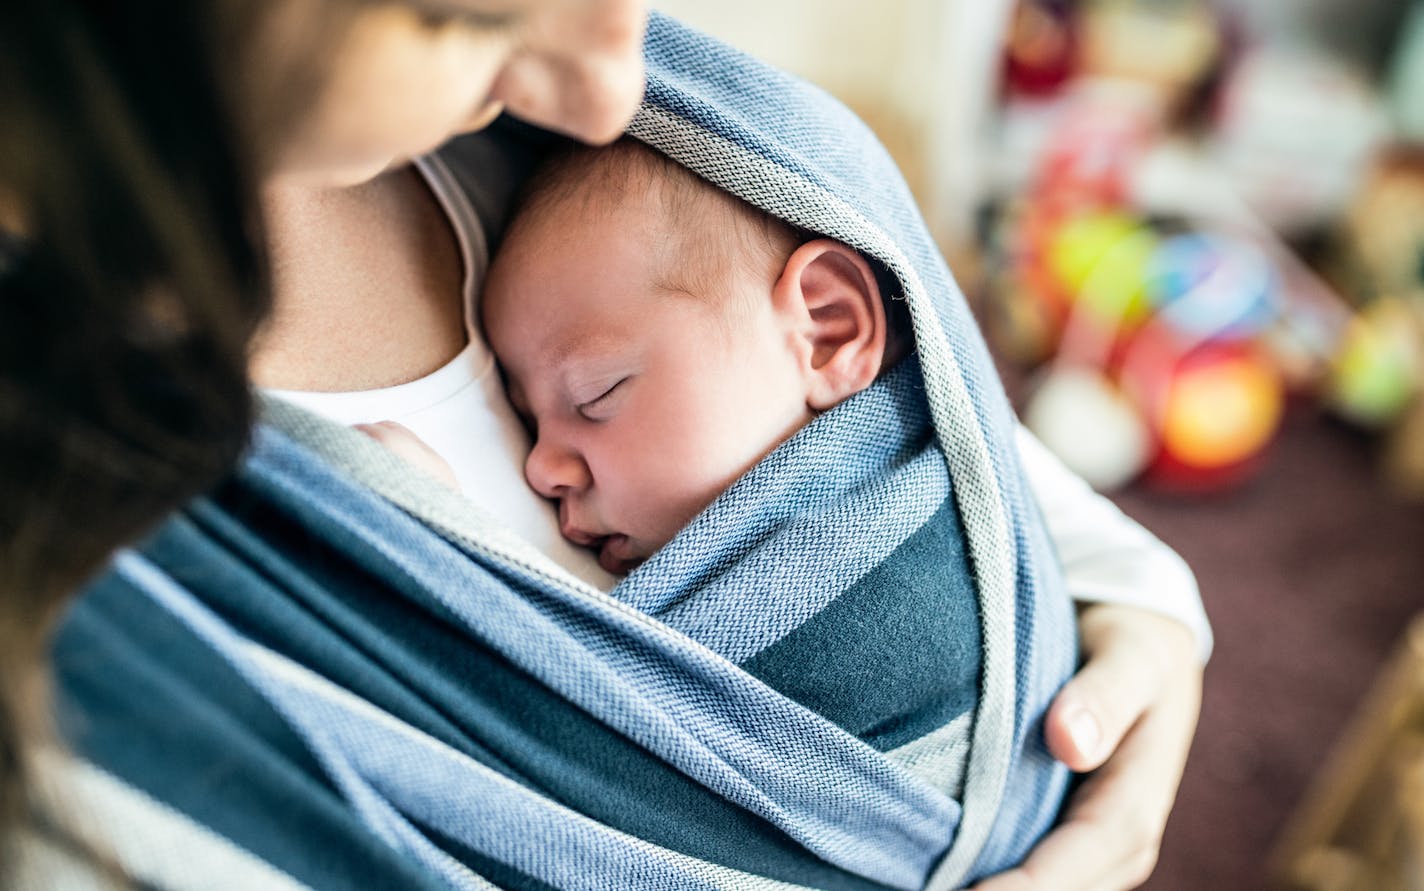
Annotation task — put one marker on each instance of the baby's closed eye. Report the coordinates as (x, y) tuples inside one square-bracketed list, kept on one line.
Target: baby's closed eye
[(603, 406)]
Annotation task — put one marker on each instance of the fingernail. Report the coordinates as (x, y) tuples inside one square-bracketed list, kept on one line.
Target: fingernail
[(1084, 730)]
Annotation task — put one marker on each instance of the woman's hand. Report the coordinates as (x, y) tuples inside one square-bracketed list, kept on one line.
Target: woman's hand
[(1129, 716), (412, 449)]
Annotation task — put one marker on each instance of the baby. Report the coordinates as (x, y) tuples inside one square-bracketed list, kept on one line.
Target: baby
[(660, 337)]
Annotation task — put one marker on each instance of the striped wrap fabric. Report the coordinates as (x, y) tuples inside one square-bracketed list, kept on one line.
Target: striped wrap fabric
[(334, 673)]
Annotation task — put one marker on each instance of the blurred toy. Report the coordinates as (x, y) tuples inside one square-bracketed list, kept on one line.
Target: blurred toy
[(1221, 406), (1217, 406), (1102, 130), (1377, 369), (1101, 260), (1091, 425), (1214, 409), (1210, 286), (1295, 131), (1045, 261), (1380, 241), (1040, 47), (1168, 46), (1375, 376), (1159, 368), (1377, 373)]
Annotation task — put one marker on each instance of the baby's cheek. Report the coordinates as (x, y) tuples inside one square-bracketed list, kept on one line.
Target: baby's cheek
[(696, 492), (667, 499)]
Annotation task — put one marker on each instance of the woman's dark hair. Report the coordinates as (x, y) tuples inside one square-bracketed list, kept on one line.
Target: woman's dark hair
[(131, 281)]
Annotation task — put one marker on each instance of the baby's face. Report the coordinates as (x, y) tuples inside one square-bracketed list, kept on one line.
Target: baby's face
[(645, 403)]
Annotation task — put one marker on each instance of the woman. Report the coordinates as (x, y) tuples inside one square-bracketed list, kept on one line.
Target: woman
[(121, 428)]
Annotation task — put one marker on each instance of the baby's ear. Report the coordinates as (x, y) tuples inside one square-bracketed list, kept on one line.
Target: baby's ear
[(829, 291)]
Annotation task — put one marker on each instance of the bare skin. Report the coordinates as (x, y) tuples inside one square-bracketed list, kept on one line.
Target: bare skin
[(345, 262)]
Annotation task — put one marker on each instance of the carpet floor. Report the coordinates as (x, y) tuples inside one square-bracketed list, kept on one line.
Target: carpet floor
[(1310, 573)]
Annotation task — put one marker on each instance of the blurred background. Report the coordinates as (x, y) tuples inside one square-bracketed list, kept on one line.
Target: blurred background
[(1194, 234)]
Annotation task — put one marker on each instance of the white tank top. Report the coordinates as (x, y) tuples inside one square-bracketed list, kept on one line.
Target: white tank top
[(460, 409)]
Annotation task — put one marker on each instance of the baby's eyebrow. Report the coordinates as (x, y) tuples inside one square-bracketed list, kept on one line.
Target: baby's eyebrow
[(582, 348)]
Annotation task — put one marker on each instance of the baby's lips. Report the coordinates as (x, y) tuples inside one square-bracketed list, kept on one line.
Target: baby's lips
[(570, 530), (611, 561), (582, 539), (579, 537), (614, 550)]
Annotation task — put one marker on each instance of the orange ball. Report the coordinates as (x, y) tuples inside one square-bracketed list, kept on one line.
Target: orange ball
[(1214, 415)]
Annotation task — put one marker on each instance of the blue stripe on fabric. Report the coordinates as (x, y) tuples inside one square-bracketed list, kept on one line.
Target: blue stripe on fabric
[(139, 694), (500, 874), (769, 594), (804, 525), (897, 656)]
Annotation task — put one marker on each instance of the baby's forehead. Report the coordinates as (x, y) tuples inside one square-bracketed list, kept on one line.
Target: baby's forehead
[(624, 178), (682, 201), (687, 234)]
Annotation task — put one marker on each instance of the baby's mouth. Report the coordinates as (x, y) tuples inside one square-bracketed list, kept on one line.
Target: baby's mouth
[(615, 553), (615, 556)]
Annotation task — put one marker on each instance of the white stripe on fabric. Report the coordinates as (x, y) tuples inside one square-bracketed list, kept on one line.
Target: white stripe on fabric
[(153, 844), (939, 757), (435, 799), (376, 813), (33, 862), (776, 190)]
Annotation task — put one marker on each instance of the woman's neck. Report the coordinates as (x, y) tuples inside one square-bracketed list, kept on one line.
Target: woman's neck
[(367, 286)]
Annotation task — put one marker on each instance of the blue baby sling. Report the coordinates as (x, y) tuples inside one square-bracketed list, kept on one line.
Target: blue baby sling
[(357, 678)]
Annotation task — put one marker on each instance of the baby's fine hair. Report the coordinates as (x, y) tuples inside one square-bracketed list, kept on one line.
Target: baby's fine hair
[(590, 180)]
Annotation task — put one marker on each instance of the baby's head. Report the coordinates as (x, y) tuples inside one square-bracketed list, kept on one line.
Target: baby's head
[(660, 337)]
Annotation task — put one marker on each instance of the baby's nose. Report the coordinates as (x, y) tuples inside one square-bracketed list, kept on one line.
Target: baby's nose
[(555, 471)]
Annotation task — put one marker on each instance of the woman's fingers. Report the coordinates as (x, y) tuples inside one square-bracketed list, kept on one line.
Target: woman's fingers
[(1071, 858), (1129, 655), (1142, 675), (399, 439)]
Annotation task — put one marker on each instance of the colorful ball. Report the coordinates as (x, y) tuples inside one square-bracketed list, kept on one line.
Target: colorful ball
[(1216, 411), (1102, 260), (1211, 286), (1376, 369)]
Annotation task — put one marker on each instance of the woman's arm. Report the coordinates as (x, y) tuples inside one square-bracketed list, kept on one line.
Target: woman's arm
[(1130, 713), (1107, 557)]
